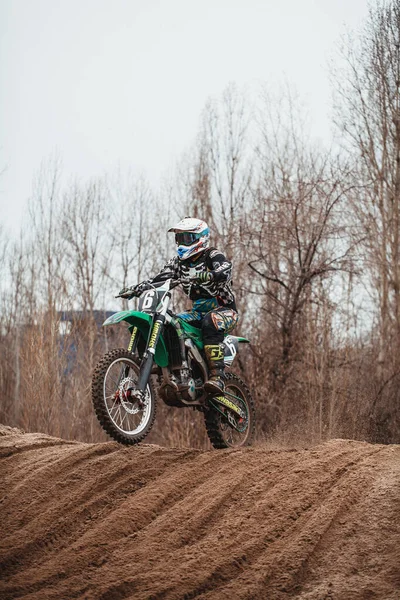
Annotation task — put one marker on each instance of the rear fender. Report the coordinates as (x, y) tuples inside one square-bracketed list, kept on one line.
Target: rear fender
[(143, 322)]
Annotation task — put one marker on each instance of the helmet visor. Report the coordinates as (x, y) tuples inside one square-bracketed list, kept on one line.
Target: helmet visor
[(187, 238)]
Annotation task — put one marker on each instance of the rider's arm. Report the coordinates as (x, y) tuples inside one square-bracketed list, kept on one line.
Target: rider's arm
[(221, 266), (169, 271)]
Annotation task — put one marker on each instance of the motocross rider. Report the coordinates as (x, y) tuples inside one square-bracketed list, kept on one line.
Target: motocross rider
[(214, 308)]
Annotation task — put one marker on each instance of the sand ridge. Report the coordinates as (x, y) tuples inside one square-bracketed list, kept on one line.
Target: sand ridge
[(103, 521)]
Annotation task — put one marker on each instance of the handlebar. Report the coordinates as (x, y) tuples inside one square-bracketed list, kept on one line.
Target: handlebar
[(133, 295), (174, 284)]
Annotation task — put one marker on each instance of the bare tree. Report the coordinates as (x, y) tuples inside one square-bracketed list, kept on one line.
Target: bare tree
[(298, 245), (133, 230), (368, 115), (45, 229), (218, 175), (87, 248), (297, 232), (224, 161)]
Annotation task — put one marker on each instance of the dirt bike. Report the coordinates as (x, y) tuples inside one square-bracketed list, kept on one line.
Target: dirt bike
[(165, 347)]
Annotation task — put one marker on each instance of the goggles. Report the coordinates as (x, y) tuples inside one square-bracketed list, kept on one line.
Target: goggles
[(187, 238)]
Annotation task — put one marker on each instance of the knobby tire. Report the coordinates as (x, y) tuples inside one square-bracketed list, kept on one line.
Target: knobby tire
[(213, 417), (99, 402)]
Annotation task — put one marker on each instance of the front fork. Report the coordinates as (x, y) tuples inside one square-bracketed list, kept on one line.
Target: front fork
[(148, 357), (131, 348), (133, 341)]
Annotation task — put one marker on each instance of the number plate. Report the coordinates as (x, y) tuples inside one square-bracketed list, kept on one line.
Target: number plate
[(151, 301), (148, 301), (231, 346)]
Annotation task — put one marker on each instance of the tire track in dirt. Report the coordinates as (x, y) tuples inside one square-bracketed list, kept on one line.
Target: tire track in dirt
[(228, 569), (104, 521), (108, 479), (292, 549)]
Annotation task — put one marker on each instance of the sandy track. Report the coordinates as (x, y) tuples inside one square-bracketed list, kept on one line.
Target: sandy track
[(108, 522)]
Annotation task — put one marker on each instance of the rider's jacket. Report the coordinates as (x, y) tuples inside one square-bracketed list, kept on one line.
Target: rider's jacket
[(217, 292)]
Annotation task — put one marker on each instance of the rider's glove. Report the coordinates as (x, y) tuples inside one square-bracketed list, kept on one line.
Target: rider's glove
[(140, 287), (205, 277), (128, 292), (134, 290)]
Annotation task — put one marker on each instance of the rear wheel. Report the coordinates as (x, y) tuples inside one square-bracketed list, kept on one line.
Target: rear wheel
[(225, 428), (125, 417)]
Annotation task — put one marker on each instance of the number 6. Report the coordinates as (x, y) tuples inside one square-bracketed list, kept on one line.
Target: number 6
[(231, 347), (148, 300)]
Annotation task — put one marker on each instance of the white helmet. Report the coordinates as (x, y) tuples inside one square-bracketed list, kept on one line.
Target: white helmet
[(191, 236)]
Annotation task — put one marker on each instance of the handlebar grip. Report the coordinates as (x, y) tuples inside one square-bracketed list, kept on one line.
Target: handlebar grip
[(131, 295)]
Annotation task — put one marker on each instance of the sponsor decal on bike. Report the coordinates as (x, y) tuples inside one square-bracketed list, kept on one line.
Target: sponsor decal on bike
[(133, 336), (154, 333), (230, 405)]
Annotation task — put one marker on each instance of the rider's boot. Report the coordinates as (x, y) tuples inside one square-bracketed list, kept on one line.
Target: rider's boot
[(216, 366)]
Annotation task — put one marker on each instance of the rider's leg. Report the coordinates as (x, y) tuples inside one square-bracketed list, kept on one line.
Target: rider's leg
[(214, 325), (191, 316)]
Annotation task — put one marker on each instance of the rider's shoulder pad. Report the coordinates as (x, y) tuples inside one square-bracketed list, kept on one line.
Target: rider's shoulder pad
[(215, 252)]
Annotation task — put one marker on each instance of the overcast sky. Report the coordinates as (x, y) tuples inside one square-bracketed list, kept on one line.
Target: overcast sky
[(102, 82)]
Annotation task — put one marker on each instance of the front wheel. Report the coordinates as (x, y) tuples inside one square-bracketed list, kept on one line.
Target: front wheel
[(224, 429), (125, 417)]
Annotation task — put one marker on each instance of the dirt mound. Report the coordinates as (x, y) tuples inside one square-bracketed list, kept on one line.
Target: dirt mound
[(108, 522)]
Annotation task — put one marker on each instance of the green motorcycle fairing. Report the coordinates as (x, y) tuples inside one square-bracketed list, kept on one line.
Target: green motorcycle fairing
[(143, 322), (196, 334), (193, 333)]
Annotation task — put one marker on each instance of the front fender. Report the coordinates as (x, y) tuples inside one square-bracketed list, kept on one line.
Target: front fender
[(143, 322)]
